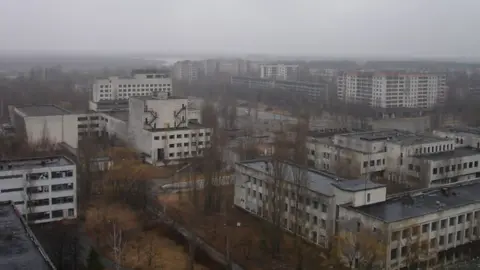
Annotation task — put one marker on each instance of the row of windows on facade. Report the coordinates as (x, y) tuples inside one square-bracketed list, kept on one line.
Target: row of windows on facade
[(86, 126), (372, 163), (185, 154), (49, 215), (301, 229), (435, 225), (137, 85), (45, 202), (442, 240), (40, 189), (179, 136), (172, 145), (448, 168), (287, 194), (45, 175)]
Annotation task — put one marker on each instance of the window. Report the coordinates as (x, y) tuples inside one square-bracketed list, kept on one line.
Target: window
[(447, 168), (475, 164), (450, 238), (441, 169), (315, 204), (434, 226), (395, 236), (179, 136), (469, 217), (470, 164), (434, 171), (185, 144), (453, 168), (443, 224), (467, 233), (156, 138), (323, 223), (465, 165), (372, 163), (459, 236), (441, 241), (11, 190), (393, 254), (368, 197), (57, 213), (460, 219), (171, 137), (179, 145), (164, 137), (37, 176), (324, 208), (60, 200), (61, 187), (452, 221), (365, 164), (171, 145), (315, 220), (425, 228), (378, 162)]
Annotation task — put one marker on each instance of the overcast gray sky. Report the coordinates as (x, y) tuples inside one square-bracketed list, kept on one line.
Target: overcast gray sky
[(420, 28)]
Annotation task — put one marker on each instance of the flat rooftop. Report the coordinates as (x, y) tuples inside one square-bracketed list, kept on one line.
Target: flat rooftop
[(468, 130), (19, 249), (318, 181), (457, 153), (381, 135), (37, 162), (423, 203), (414, 139), (42, 110), (189, 126), (120, 115), (156, 98)]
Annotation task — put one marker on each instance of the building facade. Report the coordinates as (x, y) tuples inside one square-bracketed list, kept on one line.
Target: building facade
[(185, 71), (142, 83), (315, 91), (316, 204), (42, 189), (278, 71), (416, 160), (424, 229), (392, 89)]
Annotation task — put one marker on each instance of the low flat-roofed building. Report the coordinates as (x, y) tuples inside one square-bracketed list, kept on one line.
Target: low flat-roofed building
[(41, 188), (19, 248), (45, 122), (463, 136), (442, 221)]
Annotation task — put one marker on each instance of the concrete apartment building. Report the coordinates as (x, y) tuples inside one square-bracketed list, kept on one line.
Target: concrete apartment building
[(319, 203), (42, 189), (185, 71), (160, 128), (441, 222), (402, 157), (392, 89), (434, 226), (316, 91), (19, 248), (142, 83), (161, 115), (278, 71)]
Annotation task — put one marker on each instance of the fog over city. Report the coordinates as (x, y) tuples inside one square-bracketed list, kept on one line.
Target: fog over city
[(368, 28)]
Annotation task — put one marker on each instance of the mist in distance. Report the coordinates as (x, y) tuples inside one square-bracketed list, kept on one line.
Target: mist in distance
[(442, 29)]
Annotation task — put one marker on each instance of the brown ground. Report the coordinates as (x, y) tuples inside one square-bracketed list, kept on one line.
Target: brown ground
[(166, 253), (245, 240)]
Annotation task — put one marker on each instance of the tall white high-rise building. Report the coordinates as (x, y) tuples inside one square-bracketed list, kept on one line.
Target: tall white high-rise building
[(185, 71), (142, 83), (392, 89), (279, 71)]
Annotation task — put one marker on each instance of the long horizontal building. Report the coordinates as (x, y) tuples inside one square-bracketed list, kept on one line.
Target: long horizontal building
[(432, 227), (416, 160), (141, 83), (315, 91), (388, 89), (19, 248), (42, 189)]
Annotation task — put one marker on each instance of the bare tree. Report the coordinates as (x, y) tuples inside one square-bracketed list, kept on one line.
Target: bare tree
[(117, 243)]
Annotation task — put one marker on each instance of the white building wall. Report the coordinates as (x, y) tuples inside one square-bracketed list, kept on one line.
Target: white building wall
[(14, 184), (139, 85), (57, 128)]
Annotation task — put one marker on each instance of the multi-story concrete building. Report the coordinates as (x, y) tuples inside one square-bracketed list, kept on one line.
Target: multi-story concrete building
[(142, 83), (278, 71), (159, 127), (315, 91), (42, 189), (417, 160), (317, 204), (463, 136), (210, 67), (392, 89), (432, 227), (185, 71), (19, 248)]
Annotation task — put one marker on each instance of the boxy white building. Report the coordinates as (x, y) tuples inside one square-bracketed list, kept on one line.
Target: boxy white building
[(318, 204), (432, 227), (417, 160), (142, 83), (42, 189), (160, 128)]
